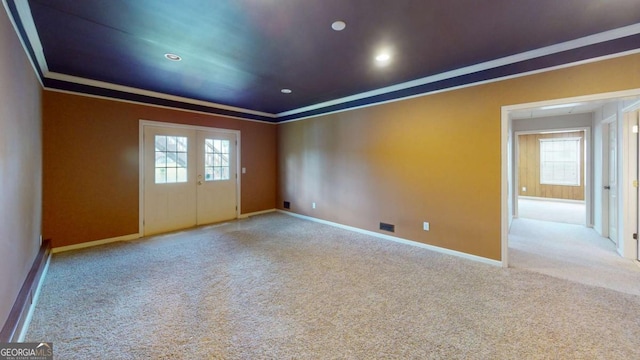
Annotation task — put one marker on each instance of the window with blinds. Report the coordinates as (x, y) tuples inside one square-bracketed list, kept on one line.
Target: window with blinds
[(560, 161)]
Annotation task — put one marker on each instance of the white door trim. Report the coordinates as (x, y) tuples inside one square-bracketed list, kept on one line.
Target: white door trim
[(606, 167), (506, 127), (141, 124)]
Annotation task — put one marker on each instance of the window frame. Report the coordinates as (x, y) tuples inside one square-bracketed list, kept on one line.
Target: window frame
[(554, 180)]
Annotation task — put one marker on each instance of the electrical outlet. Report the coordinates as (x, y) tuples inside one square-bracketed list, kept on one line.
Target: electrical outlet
[(524, 188), (313, 205), (425, 226)]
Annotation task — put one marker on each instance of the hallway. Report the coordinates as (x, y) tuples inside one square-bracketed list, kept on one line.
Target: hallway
[(572, 252)]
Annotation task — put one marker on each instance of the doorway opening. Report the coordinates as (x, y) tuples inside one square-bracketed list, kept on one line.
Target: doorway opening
[(534, 234)]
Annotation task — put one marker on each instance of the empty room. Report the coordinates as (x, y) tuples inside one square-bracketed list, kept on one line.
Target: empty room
[(261, 179)]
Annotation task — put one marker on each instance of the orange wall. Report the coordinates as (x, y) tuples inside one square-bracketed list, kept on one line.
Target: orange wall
[(20, 166), (435, 158), (91, 164)]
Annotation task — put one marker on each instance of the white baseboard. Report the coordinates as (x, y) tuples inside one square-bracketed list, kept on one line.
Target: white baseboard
[(569, 201), (399, 240), (95, 243), (132, 236), (244, 216)]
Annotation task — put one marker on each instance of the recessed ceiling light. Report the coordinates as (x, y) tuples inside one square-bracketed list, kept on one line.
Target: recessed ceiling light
[(286, 91), (383, 57), (338, 25), (172, 57)]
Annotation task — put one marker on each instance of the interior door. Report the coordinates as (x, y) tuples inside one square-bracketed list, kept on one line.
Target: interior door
[(613, 182), (217, 177), (169, 179)]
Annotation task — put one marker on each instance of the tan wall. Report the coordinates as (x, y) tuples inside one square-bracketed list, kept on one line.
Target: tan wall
[(20, 166), (91, 164), (529, 168), (435, 158)]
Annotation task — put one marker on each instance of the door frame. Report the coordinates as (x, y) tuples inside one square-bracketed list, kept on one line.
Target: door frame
[(141, 124), (606, 169), (506, 126)]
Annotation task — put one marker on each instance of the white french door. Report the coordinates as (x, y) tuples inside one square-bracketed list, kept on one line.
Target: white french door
[(217, 177), (190, 177)]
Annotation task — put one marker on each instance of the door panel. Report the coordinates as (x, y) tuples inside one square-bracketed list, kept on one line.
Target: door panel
[(169, 177), (217, 177)]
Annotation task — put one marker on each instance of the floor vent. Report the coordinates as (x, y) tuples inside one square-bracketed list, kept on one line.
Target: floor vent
[(387, 227)]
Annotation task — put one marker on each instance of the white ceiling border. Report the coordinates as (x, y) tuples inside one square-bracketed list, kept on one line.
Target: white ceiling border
[(26, 18), (528, 55)]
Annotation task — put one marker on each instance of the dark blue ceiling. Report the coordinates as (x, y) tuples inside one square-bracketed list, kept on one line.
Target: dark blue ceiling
[(238, 54)]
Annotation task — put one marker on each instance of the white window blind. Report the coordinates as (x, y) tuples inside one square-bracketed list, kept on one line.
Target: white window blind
[(560, 161)]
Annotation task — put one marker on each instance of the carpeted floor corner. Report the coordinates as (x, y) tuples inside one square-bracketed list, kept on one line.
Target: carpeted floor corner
[(277, 287)]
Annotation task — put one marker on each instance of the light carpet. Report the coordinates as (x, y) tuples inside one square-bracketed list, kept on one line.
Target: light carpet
[(552, 210), (572, 252), (278, 287)]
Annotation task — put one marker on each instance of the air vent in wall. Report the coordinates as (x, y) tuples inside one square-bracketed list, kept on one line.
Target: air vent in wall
[(287, 205), (387, 227)]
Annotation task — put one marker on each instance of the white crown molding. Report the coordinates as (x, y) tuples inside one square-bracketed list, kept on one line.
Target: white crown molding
[(24, 13), (22, 41), (528, 55), (157, 106), (132, 90), (529, 73)]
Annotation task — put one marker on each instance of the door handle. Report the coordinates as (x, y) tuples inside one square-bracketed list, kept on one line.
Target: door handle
[(607, 187)]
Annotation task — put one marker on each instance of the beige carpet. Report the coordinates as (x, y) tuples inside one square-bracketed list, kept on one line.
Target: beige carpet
[(552, 210), (572, 252), (277, 287)]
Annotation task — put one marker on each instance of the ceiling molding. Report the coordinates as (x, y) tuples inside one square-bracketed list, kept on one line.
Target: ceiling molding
[(132, 90), (504, 78), (25, 47), (157, 106), (528, 55), (33, 47), (26, 19), (24, 12)]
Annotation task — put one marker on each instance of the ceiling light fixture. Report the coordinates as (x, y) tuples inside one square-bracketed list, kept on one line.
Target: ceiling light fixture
[(383, 57), (286, 91), (173, 57), (560, 106), (338, 25)]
